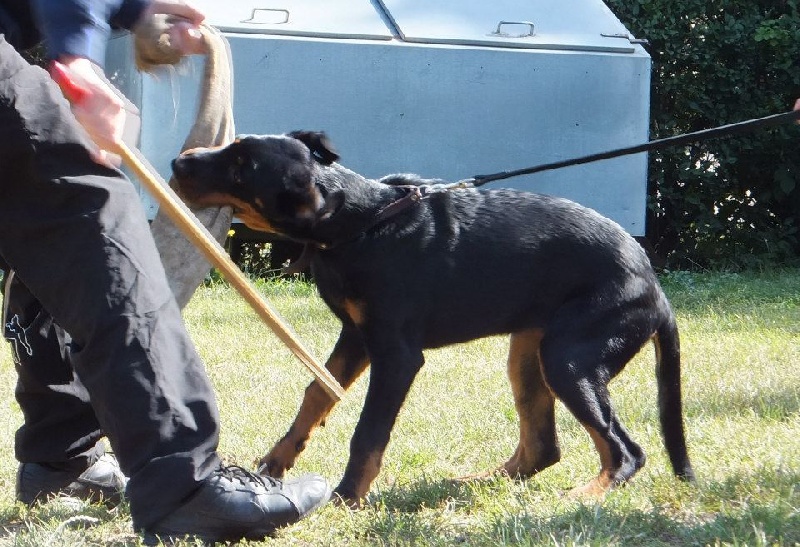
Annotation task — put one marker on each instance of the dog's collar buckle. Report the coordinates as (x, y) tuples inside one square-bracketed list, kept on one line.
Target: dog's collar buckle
[(412, 196)]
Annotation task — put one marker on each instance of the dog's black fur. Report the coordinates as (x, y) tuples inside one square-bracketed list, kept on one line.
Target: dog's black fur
[(574, 290)]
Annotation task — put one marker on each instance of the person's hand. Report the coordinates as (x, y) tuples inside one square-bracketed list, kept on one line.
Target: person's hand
[(100, 112), (797, 104), (183, 32)]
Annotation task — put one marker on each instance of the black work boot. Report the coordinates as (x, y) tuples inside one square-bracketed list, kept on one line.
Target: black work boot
[(100, 482), (234, 504)]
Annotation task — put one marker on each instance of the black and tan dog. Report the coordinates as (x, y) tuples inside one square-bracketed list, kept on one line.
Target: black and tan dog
[(406, 266)]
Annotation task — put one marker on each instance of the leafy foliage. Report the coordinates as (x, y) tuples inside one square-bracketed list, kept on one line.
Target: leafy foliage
[(734, 202)]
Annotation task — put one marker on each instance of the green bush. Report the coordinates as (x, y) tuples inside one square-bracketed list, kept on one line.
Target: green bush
[(733, 202)]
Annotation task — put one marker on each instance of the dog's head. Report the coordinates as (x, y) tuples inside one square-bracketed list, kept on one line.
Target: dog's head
[(267, 179)]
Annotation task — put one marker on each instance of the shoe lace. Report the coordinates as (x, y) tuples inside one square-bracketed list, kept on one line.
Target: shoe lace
[(242, 475)]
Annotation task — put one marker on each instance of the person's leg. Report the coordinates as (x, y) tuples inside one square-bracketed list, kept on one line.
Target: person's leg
[(76, 235), (58, 445), (46, 382)]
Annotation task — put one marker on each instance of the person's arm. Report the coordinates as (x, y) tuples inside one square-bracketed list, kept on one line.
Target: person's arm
[(81, 28), (76, 33)]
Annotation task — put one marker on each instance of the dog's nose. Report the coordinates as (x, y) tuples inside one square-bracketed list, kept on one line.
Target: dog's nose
[(178, 167)]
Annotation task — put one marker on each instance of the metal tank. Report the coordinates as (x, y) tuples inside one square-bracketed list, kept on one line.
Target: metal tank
[(442, 88)]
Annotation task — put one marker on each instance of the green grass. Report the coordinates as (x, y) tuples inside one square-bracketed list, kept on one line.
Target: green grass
[(741, 353)]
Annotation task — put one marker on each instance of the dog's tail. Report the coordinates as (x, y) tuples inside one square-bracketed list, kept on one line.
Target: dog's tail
[(668, 374)]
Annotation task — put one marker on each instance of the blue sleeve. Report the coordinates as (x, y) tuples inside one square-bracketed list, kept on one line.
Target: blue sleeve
[(82, 27)]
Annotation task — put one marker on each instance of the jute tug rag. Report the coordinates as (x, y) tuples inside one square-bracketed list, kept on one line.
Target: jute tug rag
[(185, 265)]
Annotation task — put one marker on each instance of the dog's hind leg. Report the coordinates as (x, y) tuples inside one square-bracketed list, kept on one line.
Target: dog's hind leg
[(535, 403), (346, 363), (578, 367)]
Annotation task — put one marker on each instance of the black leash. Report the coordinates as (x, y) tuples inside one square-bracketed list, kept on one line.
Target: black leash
[(723, 130), (415, 194)]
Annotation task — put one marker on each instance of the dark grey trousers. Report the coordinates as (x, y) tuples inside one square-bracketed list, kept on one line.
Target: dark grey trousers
[(69, 438), (76, 237)]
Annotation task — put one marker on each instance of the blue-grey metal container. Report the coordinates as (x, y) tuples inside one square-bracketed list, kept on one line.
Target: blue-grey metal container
[(443, 88)]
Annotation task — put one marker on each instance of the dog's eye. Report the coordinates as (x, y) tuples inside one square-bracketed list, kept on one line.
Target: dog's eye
[(236, 171)]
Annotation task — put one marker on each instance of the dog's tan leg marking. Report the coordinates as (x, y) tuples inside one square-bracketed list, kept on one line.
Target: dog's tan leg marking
[(315, 407), (535, 403), (604, 481), (355, 310)]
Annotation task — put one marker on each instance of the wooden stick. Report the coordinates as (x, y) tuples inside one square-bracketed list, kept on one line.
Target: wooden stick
[(185, 220)]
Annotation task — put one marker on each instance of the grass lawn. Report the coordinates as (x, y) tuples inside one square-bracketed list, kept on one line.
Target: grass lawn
[(741, 355)]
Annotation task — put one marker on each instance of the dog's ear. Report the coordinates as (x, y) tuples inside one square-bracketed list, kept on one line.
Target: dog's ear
[(318, 143)]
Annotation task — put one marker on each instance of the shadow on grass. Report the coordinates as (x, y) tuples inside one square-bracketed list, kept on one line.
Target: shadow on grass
[(758, 524), (47, 523), (427, 494), (490, 513), (10, 521), (776, 405)]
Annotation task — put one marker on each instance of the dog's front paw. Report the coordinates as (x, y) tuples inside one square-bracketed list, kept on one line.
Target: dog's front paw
[(280, 459), (267, 467), (345, 500)]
